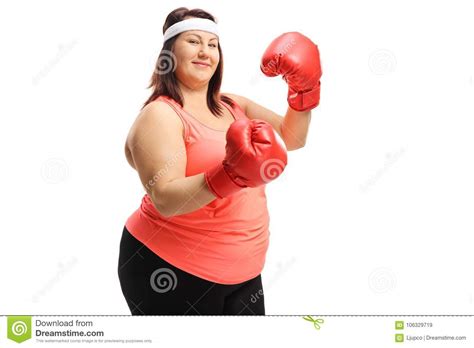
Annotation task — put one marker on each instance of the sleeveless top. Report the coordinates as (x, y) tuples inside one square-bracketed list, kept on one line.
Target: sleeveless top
[(224, 241)]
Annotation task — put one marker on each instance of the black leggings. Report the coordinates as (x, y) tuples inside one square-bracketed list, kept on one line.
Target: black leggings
[(152, 286)]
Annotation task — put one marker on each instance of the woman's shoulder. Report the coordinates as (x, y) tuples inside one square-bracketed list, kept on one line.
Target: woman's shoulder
[(161, 108), (238, 99), (159, 115), (161, 103)]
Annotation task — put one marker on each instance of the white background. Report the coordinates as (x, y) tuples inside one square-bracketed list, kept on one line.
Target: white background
[(372, 216)]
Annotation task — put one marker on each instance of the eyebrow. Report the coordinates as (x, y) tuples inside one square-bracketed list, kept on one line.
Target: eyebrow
[(199, 36)]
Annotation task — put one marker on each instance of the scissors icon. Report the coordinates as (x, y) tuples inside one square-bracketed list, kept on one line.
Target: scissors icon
[(315, 322)]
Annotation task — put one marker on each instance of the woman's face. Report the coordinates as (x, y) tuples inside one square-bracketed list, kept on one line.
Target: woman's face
[(197, 57)]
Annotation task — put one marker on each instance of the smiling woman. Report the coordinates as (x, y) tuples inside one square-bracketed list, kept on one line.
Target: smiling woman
[(178, 52), (198, 241), (196, 50)]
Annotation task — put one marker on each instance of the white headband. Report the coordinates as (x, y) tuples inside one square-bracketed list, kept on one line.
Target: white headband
[(190, 24)]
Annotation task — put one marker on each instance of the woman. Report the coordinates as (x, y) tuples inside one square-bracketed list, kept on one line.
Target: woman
[(197, 244)]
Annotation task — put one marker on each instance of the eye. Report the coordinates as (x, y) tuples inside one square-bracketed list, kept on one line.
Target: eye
[(213, 45), (192, 41)]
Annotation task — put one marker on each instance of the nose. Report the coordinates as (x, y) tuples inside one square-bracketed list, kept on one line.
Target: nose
[(203, 51)]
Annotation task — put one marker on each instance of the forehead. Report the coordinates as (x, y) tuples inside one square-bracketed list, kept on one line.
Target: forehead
[(201, 34)]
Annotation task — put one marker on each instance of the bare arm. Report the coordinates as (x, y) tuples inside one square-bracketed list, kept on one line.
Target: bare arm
[(159, 154), (293, 128)]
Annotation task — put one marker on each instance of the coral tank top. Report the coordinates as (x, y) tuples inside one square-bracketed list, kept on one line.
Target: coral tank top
[(224, 241)]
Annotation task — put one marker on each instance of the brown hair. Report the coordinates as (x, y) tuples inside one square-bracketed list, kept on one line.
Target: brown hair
[(163, 79)]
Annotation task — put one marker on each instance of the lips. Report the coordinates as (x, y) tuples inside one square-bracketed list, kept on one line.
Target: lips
[(201, 63)]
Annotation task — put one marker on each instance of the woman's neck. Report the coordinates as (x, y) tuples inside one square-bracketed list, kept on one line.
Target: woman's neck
[(196, 97)]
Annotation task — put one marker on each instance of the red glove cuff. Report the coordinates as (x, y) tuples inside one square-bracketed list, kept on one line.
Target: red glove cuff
[(220, 183), (304, 101)]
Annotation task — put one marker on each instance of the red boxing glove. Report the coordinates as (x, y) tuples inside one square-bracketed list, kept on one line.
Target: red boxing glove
[(254, 157), (295, 57)]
